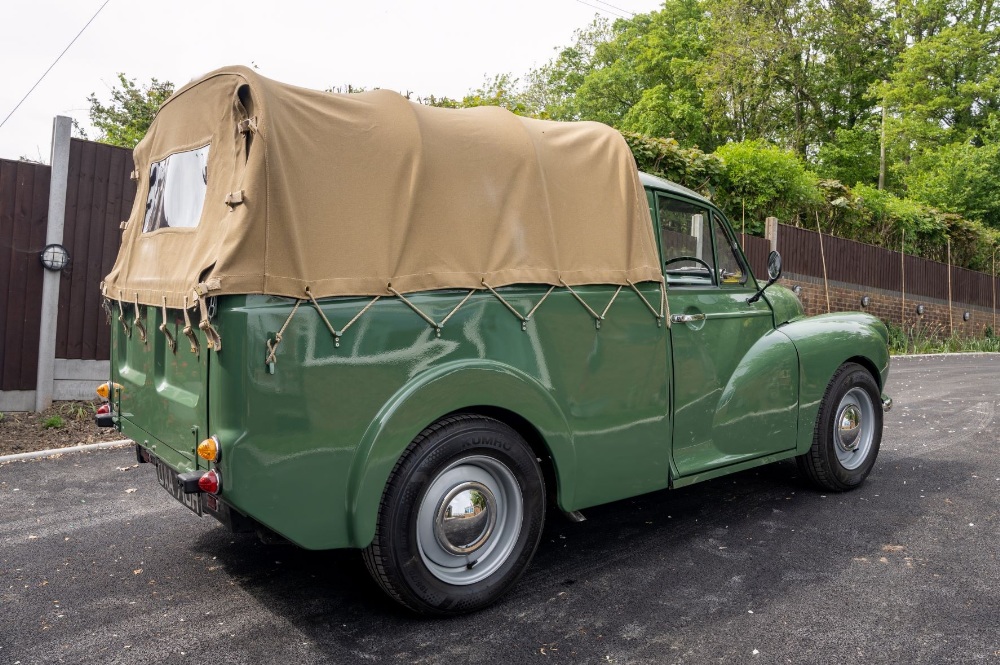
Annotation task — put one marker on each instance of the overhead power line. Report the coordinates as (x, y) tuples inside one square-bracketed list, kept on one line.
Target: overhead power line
[(608, 4), (603, 10), (42, 77)]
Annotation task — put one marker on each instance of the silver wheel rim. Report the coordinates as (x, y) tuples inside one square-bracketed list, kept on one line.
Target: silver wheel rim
[(469, 520), (854, 428)]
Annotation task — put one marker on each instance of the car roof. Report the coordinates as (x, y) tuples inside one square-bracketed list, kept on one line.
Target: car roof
[(671, 187)]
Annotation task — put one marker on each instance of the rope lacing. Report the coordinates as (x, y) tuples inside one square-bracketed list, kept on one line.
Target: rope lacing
[(272, 348), (272, 345), (337, 335), (659, 315), (524, 318), (437, 326), (597, 317)]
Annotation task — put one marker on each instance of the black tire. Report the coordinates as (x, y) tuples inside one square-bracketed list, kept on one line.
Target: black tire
[(436, 561), (850, 416)]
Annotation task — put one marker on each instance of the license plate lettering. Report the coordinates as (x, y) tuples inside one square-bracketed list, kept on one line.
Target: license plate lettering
[(167, 478)]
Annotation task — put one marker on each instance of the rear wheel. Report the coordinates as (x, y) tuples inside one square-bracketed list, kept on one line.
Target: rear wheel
[(848, 431), (460, 518)]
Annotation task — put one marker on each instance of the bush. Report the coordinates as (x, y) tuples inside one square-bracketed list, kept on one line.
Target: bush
[(761, 180), (665, 158)]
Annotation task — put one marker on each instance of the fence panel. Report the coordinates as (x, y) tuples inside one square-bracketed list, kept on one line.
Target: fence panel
[(861, 264), (99, 196), (974, 288), (926, 278), (757, 250), (24, 199)]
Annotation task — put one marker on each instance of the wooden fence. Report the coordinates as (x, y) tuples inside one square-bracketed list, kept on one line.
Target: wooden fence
[(99, 196), (24, 201), (867, 266)]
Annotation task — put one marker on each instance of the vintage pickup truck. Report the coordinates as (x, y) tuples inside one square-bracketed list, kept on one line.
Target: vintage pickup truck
[(359, 322)]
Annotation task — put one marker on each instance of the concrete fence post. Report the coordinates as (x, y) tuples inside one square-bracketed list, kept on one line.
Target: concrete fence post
[(45, 384), (771, 232)]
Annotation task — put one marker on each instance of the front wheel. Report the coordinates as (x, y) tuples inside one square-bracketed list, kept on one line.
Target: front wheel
[(460, 518), (848, 431)]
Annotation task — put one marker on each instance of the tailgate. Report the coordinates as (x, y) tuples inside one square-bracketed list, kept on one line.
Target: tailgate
[(163, 399)]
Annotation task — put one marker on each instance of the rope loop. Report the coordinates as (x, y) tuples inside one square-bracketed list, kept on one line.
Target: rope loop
[(212, 335), (121, 316), (189, 331), (272, 348), (137, 322), (171, 342)]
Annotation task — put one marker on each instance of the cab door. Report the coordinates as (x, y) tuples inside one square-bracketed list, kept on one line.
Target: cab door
[(735, 377)]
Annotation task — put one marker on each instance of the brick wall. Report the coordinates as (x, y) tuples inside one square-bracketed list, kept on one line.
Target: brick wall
[(887, 305)]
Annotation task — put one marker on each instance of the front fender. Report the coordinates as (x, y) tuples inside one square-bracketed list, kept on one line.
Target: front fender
[(431, 395), (825, 343)]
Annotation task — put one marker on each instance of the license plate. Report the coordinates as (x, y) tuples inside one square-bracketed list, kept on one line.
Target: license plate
[(168, 480)]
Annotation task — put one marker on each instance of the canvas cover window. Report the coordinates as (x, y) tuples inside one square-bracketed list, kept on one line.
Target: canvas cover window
[(177, 186)]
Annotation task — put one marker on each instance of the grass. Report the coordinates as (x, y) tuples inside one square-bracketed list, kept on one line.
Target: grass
[(55, 422), (920, 338), (78, 411)]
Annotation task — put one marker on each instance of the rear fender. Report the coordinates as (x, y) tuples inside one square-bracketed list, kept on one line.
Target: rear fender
[(428, 397)]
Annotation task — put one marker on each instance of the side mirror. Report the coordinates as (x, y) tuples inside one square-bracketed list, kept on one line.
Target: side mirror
[(773, 274), (774, 266)]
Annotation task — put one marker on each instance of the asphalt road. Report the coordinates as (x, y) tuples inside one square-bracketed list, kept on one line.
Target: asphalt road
[(99, 565)]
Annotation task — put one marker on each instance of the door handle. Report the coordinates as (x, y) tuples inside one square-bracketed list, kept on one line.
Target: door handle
[(687, 318)]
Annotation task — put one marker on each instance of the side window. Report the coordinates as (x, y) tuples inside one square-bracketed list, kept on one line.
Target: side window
[(685, 231), (731, 270), (177, 186)]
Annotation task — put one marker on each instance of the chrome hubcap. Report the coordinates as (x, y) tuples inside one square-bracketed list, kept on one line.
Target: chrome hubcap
[(853, 428), (850, 427), (466, 518), (469, 520)]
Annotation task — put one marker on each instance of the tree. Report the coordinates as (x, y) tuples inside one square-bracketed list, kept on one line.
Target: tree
[(126, 119), (961, 178)]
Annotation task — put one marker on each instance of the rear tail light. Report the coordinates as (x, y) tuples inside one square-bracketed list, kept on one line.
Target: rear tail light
[(211, 482), (104, 409)]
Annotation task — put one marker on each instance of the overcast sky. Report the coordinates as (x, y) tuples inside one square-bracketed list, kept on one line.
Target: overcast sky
[(440, 47)]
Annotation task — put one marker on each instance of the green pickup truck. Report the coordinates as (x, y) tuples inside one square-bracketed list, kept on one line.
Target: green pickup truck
[(358, 322)]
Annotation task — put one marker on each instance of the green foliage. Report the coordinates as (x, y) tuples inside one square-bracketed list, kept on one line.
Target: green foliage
[(764, 180), (55, 422), (665, 158), (923, 338), (126, 119), (945, 87), (960, 178), (852, 156)]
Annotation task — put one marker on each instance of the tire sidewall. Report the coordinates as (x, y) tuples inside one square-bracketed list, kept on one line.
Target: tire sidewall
[(450, 444), (853, 376)]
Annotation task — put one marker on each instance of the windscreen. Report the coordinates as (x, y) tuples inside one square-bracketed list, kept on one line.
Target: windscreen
[(177, 187)]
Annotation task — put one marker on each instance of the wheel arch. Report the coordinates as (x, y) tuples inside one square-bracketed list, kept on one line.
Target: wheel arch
[(490, 389), (869, 365), (824, 344), (539, 446)]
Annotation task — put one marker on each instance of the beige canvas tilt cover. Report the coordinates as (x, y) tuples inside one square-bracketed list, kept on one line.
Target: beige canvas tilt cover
[(349, 193)]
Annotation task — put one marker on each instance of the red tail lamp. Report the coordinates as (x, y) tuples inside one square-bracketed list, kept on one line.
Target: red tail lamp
[(104, 409), (211, 482)]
